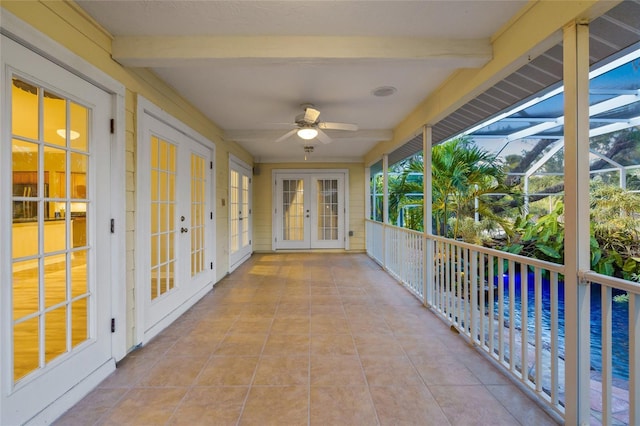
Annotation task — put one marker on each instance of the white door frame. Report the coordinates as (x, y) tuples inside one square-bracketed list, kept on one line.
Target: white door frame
[(308, 173), (147, 109), (237, 164), (16, 29)]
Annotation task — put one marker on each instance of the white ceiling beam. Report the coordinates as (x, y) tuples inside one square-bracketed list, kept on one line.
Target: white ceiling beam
[(161, 51), (260, 135)]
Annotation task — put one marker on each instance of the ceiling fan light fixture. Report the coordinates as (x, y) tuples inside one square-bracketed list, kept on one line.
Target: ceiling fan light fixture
[(307, 133)]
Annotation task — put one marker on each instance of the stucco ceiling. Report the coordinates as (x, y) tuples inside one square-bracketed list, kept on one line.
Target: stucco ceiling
[(249, 65)]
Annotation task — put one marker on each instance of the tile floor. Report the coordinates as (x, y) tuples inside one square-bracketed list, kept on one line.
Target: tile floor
[(306, 339)]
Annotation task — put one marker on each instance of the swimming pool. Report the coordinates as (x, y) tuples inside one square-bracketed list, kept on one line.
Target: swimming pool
[(619, 318)]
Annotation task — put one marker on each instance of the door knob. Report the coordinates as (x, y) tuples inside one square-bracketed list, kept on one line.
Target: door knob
[(183, 230)]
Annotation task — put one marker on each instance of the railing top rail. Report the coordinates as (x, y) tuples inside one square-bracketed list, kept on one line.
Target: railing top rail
[(619, 283), (552, 267), (398, 228)]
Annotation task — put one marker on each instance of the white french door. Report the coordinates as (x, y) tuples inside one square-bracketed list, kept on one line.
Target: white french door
[(310, 210), (176, 221), (240, 246), (55, 298)]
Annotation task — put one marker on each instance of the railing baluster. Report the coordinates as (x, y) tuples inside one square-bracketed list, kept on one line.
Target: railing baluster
[(634, 359), (524, 321), (512, 317), (554, 338), (501, 309), (474, 296), (482, 278), (605, 339), (492, 299), (538, 326)]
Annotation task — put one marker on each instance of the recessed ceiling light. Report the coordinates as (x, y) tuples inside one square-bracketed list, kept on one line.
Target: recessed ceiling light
[(384, 91)]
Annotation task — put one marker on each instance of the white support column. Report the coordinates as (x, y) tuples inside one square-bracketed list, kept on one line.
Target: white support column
[(576, 205), (385, 207), (427, 215), (368, 193), (385, 189)]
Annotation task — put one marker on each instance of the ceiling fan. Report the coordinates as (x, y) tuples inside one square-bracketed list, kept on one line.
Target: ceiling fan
[(308, 126)]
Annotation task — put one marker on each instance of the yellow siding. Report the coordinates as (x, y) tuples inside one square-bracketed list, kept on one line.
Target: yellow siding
[(263, 198)]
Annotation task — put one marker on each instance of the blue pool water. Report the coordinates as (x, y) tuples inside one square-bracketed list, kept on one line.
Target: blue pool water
[(619, 317)]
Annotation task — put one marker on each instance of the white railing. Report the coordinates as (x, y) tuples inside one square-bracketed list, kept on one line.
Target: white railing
[(615, 380), (510, 306), (481, 292)]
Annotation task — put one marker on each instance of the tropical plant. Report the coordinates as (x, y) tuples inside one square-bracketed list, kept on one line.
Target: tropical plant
[(463, 174)]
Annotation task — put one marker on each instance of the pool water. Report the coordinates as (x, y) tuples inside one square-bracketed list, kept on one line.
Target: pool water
[(619, 319)]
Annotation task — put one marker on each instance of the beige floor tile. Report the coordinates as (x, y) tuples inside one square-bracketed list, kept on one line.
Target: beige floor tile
[(282, 371), (471, 405), (129, 372), (241, 344), (378, 345), (328, 325), (228, 371), (407, 405), (251, 325), (333, 344), (174, 371), (273, 345), (336, 371), (276, 405), (341, 405), (200, 344), (210, 406), (443, 371), (145, 406), (390, 371), (520, 406), (91, 408), (287, 344), (293, 325)]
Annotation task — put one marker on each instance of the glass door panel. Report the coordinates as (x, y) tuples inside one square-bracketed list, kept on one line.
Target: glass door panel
[(162, 219), (51, 295), (198, 207), (240, 212), (293, 210), (327, 209)]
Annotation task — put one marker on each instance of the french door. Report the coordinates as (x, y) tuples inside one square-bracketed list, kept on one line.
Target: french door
[(310, 210), (56, 281), (240, 247), (176, 221)]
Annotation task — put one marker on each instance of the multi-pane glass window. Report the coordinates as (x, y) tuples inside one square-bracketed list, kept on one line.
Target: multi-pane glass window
[(327, 205), (163, 223), (293, 210), (51, 295), (198, 181)]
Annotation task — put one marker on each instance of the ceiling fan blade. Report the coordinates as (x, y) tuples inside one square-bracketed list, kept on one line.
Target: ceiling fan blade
[(323, 137), (311, 115), (337, 126), (286, 135)]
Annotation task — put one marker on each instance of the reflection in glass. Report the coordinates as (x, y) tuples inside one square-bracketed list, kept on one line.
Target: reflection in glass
[(79, 127), (80, 318), (197, 213), (26, 344), (54, 113), (162, 216), (293, 210), (55, 336), (24, 105), (49, 202)]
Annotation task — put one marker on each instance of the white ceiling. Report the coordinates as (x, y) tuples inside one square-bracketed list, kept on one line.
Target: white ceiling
[(249, 65)]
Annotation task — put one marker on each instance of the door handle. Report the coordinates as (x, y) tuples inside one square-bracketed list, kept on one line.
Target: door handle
[(183, 230)]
